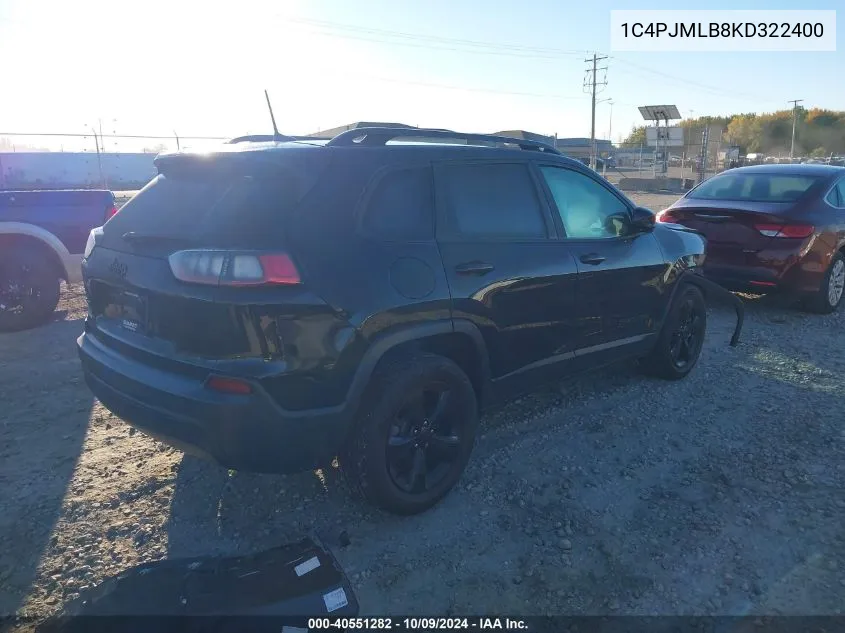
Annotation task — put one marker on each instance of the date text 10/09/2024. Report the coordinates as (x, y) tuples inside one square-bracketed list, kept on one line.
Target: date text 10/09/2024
[(417, 624), (707, 30)]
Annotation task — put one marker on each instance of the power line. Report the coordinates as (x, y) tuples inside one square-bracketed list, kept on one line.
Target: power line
[(426, 46), (712, 89), (492, 46), (542, 95)]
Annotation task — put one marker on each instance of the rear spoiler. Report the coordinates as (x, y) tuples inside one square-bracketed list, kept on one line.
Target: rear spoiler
[(227, 160)]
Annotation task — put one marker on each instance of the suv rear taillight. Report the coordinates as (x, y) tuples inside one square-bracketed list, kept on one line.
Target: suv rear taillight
[(785, 230), (227, 268), (93, 236), (110, 212)]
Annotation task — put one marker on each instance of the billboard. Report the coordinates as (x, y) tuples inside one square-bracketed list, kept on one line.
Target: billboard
[(664, 136)]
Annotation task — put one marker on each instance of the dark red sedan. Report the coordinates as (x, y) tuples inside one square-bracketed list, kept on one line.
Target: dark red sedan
[(772, 228)]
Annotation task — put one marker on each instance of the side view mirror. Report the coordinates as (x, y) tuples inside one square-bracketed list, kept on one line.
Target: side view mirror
[(642, 219)]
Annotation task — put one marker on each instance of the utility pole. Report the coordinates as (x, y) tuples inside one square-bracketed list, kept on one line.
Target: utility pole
[(99, 161), (702, 156), (591, 84), (794, 103)]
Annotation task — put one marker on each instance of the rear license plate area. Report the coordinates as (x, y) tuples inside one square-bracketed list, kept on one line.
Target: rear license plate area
[(127, 309)]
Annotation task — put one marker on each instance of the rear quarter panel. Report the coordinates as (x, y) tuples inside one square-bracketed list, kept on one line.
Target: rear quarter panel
[(371, 287)]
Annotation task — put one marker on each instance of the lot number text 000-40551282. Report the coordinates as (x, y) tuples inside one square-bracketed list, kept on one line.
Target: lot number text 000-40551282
[(418, 624)]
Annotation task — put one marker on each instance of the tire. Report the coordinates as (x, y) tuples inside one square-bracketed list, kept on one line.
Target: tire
[(29, 289), (383, 458), (829, 296), (682, 337)]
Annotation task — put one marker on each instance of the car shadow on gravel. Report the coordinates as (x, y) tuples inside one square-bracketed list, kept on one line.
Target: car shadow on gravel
[(709, 495), (217, 511), (45, 416)]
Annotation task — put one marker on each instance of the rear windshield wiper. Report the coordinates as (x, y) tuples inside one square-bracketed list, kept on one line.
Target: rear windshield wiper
[(137, 238)]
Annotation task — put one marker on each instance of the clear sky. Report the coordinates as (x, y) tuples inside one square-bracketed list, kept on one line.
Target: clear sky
[(155, 66)]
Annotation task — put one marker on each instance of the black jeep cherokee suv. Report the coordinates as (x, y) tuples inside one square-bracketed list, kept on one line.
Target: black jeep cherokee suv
[(274, 305)]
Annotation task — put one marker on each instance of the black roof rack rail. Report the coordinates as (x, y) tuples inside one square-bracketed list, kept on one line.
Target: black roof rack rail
[(267, 138), (369, 136)]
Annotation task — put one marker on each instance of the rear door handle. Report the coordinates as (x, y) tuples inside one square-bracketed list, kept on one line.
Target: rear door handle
[(592, 258), (474, 268)]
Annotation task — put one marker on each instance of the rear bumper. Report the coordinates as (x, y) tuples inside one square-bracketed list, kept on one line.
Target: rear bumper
[(795, 270), (741, 279), (250, 432)]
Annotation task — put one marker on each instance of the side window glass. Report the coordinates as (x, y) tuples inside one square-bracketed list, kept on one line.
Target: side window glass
[(840, 190), (586, 209), (493, 200), (401, 207), (833, 198)]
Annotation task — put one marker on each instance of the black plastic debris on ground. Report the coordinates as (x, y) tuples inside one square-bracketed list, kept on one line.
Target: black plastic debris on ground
[(269, 590)]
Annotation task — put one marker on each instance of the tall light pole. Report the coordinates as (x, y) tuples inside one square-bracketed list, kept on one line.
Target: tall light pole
[(794, 103), (610, 122)]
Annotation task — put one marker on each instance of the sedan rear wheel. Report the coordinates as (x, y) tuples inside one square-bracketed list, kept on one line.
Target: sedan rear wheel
[(829, 296), (837, 283)]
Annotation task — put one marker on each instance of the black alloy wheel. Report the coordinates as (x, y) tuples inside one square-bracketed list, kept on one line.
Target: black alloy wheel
[(425, 439), (685, 342), (414, 433), (681, 337)]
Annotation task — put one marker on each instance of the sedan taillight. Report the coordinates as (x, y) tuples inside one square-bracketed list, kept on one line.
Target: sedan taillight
[(794, 231), (666, 216), (226, 268)]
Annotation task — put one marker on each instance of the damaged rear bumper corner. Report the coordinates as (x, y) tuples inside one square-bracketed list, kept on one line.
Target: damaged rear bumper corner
[(711, 289)]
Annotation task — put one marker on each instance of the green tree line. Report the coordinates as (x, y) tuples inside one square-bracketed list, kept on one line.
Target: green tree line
[(818, 132)]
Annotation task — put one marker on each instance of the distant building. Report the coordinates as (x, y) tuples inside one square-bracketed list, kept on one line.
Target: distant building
[(330, 133), (528, 136), (574, 147), (626, 157), (580, 147)]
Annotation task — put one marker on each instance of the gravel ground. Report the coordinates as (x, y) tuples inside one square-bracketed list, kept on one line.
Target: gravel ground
[(613, 493)]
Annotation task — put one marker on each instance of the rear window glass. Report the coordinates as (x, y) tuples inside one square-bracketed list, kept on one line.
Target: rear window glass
[(229, 211), (401, 207), (754, 187)]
